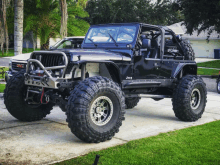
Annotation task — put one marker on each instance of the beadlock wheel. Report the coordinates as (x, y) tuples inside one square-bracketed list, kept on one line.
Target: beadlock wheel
[(101, 110), (195, 99), (95, 109)]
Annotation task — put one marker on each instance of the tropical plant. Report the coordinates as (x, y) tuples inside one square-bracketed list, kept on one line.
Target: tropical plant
[(43, 19), (76, 24)]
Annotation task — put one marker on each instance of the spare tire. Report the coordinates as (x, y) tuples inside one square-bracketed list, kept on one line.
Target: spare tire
[(188, 51)]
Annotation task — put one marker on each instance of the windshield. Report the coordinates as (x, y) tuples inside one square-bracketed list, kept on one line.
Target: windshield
[(68, 44), (111, 34)]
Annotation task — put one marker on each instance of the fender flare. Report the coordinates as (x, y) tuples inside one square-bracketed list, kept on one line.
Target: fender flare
[(119, 80), (181, 66)]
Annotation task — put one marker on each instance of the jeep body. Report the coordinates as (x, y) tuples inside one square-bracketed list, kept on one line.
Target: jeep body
[(117, 65), (138, 69)]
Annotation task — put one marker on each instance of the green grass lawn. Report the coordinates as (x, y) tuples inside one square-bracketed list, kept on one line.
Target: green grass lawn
[(194, 145), (11, 52), (2, 87), (210, 64), (202, 71)]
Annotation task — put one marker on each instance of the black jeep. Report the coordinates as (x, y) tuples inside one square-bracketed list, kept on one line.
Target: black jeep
[(118, 65)]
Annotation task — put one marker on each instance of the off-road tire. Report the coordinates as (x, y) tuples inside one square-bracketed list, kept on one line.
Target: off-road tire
[(188, 51), (218, 85), (131, 102), (79, 109), (14, 101), (182, 98)]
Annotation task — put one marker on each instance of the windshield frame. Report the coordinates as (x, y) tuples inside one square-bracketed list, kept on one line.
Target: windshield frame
[(112, 43)]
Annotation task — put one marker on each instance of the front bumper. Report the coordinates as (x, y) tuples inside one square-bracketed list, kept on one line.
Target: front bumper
[(8, 75), (47, 80)]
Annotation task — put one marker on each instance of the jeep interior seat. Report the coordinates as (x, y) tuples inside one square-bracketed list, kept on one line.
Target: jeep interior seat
[(145, 52), (154, 49)]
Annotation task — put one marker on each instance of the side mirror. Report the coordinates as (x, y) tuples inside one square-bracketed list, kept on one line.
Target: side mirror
[(146, 43), (179, 38)]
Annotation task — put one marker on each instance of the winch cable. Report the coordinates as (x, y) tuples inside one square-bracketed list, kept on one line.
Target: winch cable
[(42, 97)]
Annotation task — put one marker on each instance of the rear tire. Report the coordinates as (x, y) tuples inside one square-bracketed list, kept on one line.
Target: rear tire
[(131, 102), (95, 109), (189, 98), (14, 101)]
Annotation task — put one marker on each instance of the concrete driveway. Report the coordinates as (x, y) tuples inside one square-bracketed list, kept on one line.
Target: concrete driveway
[(50, 140)]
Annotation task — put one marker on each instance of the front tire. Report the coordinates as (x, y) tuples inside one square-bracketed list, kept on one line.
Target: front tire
[(95, 109), (189, 98), (15, 103)]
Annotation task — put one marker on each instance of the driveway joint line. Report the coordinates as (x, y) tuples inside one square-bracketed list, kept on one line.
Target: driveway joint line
[(213, 113), (121, 139), (55, 122), (22, 125)]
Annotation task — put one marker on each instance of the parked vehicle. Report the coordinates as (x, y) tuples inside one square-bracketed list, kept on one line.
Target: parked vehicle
[(218, 83), (118, 65), (19, 62)]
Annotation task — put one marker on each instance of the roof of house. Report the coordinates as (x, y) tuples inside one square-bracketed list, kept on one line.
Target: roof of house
[(180, 29)]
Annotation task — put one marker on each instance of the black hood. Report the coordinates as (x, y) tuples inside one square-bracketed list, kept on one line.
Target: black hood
[(95, 55)]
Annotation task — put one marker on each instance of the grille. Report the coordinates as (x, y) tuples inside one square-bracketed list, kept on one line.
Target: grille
[(49, 60), (18, 66)]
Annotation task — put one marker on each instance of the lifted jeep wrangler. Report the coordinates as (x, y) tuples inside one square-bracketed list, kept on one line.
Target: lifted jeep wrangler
[(118, 65)]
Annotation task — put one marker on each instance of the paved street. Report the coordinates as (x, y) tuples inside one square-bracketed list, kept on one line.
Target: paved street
[(4, 61), (210, 84)]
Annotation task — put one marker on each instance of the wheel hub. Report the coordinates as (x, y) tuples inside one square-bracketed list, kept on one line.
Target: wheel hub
[(101, 110), (195, 99)]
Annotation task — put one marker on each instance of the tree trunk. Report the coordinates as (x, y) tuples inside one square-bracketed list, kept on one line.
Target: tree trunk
[(64, 17), (18, 26), (46, 45)]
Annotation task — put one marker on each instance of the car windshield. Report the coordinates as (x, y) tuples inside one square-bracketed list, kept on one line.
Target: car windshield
[(111, 34), (68, 44)]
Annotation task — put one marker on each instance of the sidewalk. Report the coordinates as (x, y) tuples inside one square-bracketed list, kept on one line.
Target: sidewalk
[(198, 60)]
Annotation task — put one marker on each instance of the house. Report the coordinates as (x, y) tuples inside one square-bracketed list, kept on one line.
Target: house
[(199, 43)]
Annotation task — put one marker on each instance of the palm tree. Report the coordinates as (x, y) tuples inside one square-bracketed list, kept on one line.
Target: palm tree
[(43, 20), (3, 25), (64, 17), (18, 26)]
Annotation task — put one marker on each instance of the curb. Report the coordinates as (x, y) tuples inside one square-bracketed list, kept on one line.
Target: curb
[(209, 68), (209, 76)]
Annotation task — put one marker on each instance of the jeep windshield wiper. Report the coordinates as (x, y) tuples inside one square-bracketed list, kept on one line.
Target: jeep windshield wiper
[(113, 39), (92, 42)]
